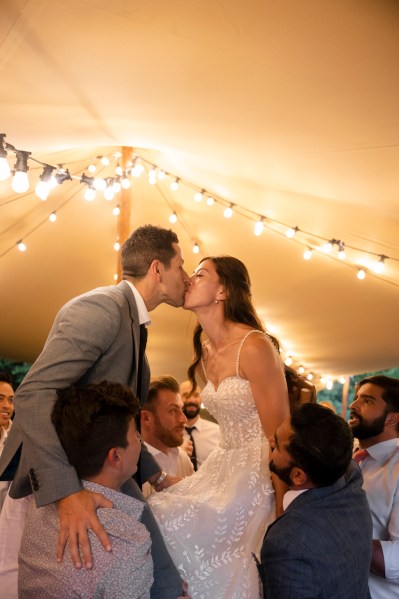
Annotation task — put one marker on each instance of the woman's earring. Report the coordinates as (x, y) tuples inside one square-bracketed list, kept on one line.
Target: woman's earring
[(216, 301)]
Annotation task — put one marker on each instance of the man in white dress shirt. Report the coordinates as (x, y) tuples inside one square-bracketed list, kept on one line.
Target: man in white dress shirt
[(162, 429), (374, 420), (202, 436)]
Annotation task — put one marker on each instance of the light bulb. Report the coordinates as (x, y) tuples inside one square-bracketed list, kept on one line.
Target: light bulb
[(327, 247), (116, 211), (91, 168), (116, 276), (329, 385), (109, 193), (99, 184), (137, 169), (379, 266), (117, 246), (119, 170), (20, 182), (42, 190), (117, 186), (21, 246), (125, 182), (341, 250), (173, 218), (342, 380), (361, 274), (307, 254), (196, 248), (174, 185), (259, 226), (90, 194), (291, 232), (105, 160), (289, 361), (198, 196), (210, 201), (4, 169), (53, 217), (301, 370), (228, 213), (310, 376), (161, 175)]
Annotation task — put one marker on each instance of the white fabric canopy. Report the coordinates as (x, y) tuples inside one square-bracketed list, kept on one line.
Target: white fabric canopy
[(288, 110)]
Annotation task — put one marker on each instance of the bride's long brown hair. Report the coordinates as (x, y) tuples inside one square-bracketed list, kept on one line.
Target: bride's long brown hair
[(238, 307)]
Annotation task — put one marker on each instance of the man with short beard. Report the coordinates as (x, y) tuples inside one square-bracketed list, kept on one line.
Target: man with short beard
[(202, 436), (162, 429), (374, 420), (320, 547)]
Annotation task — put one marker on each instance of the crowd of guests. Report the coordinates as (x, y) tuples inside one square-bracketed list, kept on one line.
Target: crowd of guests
[(277, 500)]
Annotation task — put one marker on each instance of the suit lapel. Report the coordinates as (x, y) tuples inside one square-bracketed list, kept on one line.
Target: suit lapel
[(135, 324)]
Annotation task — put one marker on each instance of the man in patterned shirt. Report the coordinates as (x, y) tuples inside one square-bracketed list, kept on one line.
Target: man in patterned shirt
[(96, 428)]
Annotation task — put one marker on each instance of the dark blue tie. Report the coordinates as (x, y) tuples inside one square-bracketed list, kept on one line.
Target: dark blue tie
[(143, 343)]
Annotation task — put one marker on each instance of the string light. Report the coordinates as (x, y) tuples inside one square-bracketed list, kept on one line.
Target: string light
[(116, 211), (90, 194), (288, 361), (327, 247), (125, 183), (228, 213), (104, 160), (4, 166), (291, 232), (53, 217), (173, 218), (92, 168), (161, 175), (117, 246), (301, 370), (21, 246), (210, 201), (43, 186), (20, 181), (341, 250), (259, 227), (310, 376), (379, 266), (196, 248), (361, 274), (198, 196), (342, 380), (175, 185), (307, 254), (109, 191), (118, 170)]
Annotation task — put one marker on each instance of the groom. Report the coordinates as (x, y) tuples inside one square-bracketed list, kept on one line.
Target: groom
[(96, 337)]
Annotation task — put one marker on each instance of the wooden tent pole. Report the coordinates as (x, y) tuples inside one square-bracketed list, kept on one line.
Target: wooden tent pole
[(345, 392), (124, 207)]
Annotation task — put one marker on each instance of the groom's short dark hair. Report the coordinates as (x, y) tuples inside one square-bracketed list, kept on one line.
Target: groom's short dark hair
[(146, 244), (91, 420), (320, 444)]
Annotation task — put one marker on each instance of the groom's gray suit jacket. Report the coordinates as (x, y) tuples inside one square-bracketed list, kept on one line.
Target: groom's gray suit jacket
[(94, 337)]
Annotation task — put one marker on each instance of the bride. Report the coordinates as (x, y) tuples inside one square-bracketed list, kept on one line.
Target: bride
[(214, 520)]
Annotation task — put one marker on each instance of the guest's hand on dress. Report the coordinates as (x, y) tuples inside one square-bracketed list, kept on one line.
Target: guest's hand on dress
[(77, 514), (168, 482)]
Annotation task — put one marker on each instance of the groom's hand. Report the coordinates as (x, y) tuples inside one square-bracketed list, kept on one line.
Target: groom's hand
[(77, 514)]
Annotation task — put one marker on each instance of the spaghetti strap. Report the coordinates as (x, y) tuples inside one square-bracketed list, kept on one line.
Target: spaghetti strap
[(239, 349)]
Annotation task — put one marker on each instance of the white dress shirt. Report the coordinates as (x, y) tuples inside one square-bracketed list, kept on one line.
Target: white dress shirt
[(175, 463), (206, 438), (381, 482)]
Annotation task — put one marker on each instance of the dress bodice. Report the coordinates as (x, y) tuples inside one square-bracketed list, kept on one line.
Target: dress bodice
[(233, 406)]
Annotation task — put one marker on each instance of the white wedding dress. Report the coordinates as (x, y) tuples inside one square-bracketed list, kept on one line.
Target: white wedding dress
[(214, 520)]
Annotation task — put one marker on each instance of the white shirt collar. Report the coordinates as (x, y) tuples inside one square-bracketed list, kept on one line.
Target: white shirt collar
[(144, 316), (290, 496)]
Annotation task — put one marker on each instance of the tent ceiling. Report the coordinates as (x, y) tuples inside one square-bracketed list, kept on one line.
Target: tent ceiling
[(287, 109)]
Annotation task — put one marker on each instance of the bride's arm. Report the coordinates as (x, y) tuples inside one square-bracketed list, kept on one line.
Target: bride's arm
[(261, 364)]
